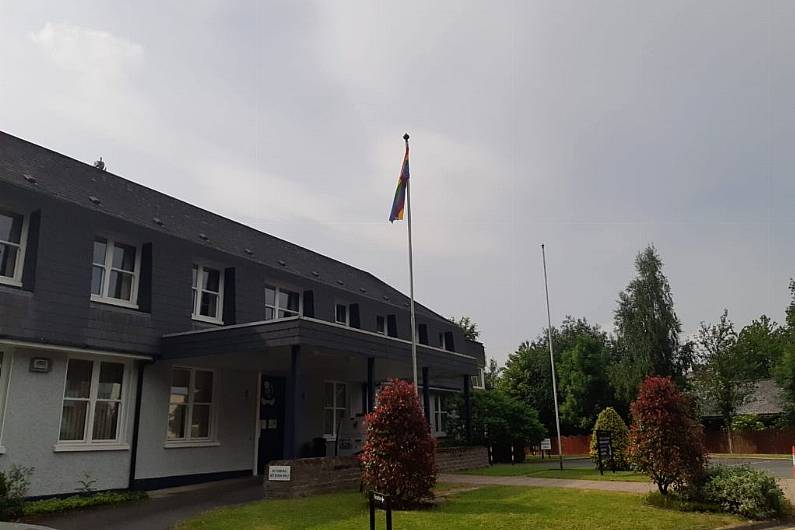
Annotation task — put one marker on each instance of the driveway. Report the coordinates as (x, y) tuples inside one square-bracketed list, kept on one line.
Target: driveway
[(163, 509), (777, 468)]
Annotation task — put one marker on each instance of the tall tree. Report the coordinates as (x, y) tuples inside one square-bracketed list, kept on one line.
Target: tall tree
[(791, 308), (584, 381), (785, 369), (470, 327), (647, 329), (721, 370), (527, 375), (762, 342), (492, 374)]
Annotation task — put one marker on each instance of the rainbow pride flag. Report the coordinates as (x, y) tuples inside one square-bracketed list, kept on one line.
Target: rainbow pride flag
[(399, 203)]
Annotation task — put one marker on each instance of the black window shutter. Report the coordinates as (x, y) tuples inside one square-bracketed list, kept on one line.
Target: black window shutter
[(391, 325), (353, 316), (448, 337), (229, 296), (309, 304), (422, 331), (145, 283), (31, 251)]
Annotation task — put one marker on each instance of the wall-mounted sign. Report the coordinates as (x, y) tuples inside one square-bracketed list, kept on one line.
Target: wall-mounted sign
[(40, 364), (279, 473), (546, 444)]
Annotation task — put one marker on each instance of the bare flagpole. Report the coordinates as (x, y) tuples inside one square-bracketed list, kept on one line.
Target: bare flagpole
[(551, 355), (411, 281)]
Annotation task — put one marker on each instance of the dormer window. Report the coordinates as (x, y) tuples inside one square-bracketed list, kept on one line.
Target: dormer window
[(208, 294), (12, 247), (281, 303), (115, 270)]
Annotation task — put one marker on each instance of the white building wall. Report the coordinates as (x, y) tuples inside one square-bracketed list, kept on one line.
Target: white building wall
[(32, 424)]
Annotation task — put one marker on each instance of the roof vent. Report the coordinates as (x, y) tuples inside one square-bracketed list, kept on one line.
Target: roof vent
[(386, 297), (30, 178), (315, 273), (158, 221), (204, 236), (95, 200), (406, 304), (340, 282), (362, 289), (282, 263), (248, 251)]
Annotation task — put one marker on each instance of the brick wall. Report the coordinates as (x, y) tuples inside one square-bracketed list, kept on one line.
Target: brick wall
[(450, 459), (312, 476)]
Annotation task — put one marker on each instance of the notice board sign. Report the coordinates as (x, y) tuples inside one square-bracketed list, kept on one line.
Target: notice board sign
[(546, 444), (604, 449), (279, 473)]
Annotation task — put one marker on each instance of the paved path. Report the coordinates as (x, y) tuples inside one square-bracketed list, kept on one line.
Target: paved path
[(603, 485), (163, 509), (777, 468)]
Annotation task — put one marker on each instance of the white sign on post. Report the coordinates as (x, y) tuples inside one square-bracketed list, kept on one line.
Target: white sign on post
[(546, 444), (279, 473)]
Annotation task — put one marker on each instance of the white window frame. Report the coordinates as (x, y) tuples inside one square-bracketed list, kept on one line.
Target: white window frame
[(380, 331), (437, 412), (16, 280), (88, 443), (197, 303), (335, 407), (443, 340), (347, 307), (6, 366), (110, 248), (479, 381), (276, 307), (188, 440)]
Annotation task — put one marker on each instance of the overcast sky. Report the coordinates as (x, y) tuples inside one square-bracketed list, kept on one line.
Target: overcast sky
[(597, 127)]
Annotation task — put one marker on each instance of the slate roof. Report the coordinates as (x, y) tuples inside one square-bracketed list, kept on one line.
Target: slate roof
[(33, 167), (765, 399)]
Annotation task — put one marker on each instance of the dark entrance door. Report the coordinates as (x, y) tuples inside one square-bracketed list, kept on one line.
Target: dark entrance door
[(271, 424)]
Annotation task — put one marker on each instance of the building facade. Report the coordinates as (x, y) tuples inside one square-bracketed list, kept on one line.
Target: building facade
[(145, 342)]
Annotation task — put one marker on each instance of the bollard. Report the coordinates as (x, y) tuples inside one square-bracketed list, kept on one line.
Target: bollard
[(513, 461), (491, 457)]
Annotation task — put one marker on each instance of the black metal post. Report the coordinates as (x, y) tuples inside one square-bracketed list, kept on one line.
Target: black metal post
[(370, 383), (467, 409), (293, 401), (426, 394), (372, 512)]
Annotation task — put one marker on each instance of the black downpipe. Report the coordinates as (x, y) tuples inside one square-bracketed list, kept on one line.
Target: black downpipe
[(139, 386)]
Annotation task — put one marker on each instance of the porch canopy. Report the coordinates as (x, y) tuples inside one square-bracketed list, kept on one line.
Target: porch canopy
[(314, 335), (305, 350)]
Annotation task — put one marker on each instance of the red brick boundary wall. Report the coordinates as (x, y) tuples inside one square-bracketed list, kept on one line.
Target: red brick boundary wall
[(312, 476), (449, 459)]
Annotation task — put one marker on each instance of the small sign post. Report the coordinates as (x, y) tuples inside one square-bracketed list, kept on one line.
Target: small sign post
[(604, 450), (546, 445), (380, 501)]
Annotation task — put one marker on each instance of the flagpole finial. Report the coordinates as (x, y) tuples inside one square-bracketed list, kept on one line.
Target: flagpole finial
[(406, 137)]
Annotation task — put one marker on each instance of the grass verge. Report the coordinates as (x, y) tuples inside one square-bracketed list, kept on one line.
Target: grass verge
[(496, 508), (547, 470)]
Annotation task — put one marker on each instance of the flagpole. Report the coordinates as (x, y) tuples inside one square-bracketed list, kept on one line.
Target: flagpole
[(552, 356), (411, 282)]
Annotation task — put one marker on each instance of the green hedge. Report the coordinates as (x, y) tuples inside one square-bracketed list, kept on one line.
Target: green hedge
[(745, 491), (76, 502)]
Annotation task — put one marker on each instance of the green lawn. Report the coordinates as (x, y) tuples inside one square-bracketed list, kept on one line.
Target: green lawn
[(496, 507), (550, 470)]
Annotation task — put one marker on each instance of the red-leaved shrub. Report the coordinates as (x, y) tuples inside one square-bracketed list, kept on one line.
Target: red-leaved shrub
[(398, 458), (666, 440)]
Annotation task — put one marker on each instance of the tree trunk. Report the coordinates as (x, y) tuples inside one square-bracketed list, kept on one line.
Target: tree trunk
[(729, 435)]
